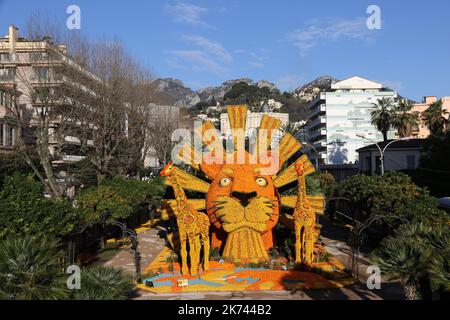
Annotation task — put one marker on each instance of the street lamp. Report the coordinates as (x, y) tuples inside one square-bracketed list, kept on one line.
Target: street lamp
[(382, 151), (316, 158)]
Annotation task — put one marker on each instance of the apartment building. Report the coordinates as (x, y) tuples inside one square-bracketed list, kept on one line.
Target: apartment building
[(8, 129), (36, 66), (341, 115), (422, 130)]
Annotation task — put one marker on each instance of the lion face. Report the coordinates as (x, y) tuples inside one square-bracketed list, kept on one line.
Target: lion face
[(240, 198)]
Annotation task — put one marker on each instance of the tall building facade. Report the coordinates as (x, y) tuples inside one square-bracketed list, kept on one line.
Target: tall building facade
[(341, 115), (8, 123), (33, 67)]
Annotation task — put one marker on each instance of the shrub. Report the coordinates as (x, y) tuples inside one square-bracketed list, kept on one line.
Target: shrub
[(120, 196), (392, 197), (24, 210), (30, 269), (103, 283)]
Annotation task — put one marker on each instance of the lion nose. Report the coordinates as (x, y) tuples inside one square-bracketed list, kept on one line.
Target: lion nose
[(243, 197)]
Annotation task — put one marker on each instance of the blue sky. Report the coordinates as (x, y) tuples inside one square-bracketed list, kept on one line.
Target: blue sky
[(204, 43)]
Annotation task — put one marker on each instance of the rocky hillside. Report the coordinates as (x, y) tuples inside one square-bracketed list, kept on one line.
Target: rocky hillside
[(185, 97), (309, 90)]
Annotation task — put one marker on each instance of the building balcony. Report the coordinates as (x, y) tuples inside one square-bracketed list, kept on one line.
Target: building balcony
[(69, 159), (318, 110), (320, 97), (320, 144), (317, 133), (317, 122)]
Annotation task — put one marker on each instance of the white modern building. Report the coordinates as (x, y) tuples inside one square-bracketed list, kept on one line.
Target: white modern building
[(340, 115)]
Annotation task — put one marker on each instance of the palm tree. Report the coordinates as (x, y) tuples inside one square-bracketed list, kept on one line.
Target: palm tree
[(434, 118), (30, 269), (382, 116), (418, 255), (405, 121), (294, 129), (103, 283), (401, 259)]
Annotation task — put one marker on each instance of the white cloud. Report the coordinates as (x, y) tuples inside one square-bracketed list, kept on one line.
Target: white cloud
[(258, 58), (319, 32), (208, 56), (187, 13), (289, 82), (195, 60), (211, 47)]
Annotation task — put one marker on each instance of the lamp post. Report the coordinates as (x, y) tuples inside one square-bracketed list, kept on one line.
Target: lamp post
[(382, 150), (316, 158)]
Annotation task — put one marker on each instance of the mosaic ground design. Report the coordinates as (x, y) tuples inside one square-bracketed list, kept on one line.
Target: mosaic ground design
[(227, 277)]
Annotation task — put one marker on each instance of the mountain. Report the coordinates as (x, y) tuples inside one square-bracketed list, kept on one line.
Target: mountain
[(186, 97), (309, 90)]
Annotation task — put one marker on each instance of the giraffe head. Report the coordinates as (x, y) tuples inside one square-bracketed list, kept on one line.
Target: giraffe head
[(300, 168), (168, 169)]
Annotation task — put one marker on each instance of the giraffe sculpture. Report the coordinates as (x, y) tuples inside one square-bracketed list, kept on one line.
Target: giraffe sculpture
[(192, 225), (305, 222)]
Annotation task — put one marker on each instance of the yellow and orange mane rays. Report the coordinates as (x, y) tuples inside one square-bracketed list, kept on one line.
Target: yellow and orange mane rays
[(270, 125), (290, 173), (209, 136), (189, 182), (190, 156), (288, 147), (237, 116)]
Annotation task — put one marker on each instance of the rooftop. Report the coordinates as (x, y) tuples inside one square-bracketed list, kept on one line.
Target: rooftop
[(400, 144)]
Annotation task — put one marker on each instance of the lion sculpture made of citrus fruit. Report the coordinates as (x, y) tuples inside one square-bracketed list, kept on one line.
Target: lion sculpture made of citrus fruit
[(242, 200)]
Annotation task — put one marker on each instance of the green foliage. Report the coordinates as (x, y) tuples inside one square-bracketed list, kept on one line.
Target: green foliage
[(24, 210), (30, 269), (297, 108), (392, 197), (326, 182), (121, 196), (434, 170), (103, 283), (405, 120), (417, 250), (435, 118), (383, 116), (11, 163), (243, 93), (214, 254)]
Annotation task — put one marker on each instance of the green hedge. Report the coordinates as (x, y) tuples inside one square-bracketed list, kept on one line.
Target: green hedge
[(25, 211), (121, 196)]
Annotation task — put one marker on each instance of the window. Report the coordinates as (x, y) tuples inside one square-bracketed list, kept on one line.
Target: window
[(5, 57), (410, 162), (7, 74), (41, 74), (1, 134), (11, 133), (36, 56)]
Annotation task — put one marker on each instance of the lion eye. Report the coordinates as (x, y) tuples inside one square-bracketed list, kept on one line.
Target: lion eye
[(224, 182), (261, 182)]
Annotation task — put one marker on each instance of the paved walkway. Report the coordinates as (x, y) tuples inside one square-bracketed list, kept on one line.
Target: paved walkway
[(151, 242)]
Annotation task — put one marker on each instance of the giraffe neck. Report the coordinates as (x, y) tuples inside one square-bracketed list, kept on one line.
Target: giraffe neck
[(180, 195), (301, 190)]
